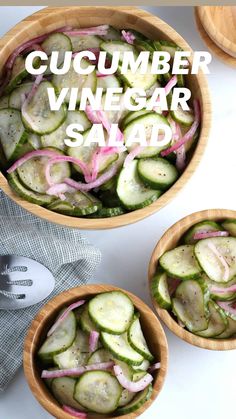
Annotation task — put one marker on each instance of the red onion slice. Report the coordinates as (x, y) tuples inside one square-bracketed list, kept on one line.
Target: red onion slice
[(221, 260), (134, 153), (134, 387), (171, 83), (76, 372), (64, 315), (31, 155), (209, 234), (154, 367), (189, 134), (94, 30), (227, 306), (220, 290), (128, 37), (93, 340), (74, 412), (74, 160)]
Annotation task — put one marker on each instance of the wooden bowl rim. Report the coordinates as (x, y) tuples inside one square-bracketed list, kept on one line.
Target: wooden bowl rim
[(186, 223), (134, 216), (208, 24), (36, 384)]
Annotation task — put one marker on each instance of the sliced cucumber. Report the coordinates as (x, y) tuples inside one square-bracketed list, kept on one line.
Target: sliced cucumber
[(189, 305), (63, 390), (138, 79), (61, 339), (142, 367), (137, 340), (23, 192), (126, 397), (4, 102), (56, 42), (185, 118), (32, 173), (217, 322), (111, 35), (170, 47), (203, 226), (148, 120), (84, 42), (18, 73), (138, 401), (76, 355), (12, 132), (181, 263), (230, 330), (138, 375), (108, 81), (227, 312), (77, 204), (98, 391), (160, 290), (38, 117), (131, 116), (57, 137), (210, 263), (225, 296), (85, 153), (100, 355), (74, 80), (15, 98), (117, 46), (108, 212), (230, 226), (144, 45), (131, 191), (157, 173), (111, 311), (119, 346), (87, 325)]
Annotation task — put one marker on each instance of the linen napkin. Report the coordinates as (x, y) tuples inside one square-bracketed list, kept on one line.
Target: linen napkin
[(69, 256)]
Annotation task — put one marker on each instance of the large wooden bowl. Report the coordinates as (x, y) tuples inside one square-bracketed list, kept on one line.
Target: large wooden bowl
[(167, 242), (37, 332), (121, 17)]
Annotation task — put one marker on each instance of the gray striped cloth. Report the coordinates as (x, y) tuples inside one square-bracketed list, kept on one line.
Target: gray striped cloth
[(69, 256)]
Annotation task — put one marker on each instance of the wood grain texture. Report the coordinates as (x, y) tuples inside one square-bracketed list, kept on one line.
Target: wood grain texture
[(37, 332), (49, 19), (220, 24), (167, 242), (214, 49)]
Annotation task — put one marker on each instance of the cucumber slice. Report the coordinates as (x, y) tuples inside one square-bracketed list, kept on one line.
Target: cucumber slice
[(61, 339), (131, 116), (226, 296), (138, 79), (73, 80), (126, 397), (217, 322), (230, 226), (157, 173), (76, 355), (230, 330), (117, 46), (144, 45), (57, 138), (228, 313), (76, 204), (4, 102), (32, 173), (138, 375), (131, 191), (98, 391), (12, 132), (137, 340), (108, 212), (87, 325), (63, 390), (107, 82), (56, 42), (189, 305), (209, 262), (84, 42), (18, 73), (181, 263), (30, 196), (15, 98), (149, 120), (138, 401), (85, 153), (34, 141), (170, 47), (119, 346), (111, 35), (38, 116), (109, 199), (111, 311), (100, 355), (185, 118), (142, 367), (206, 226), (160, 290)]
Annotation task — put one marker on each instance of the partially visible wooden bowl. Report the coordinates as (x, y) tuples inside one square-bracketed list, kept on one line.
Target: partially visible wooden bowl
[(49, 19), (37, 332), (167, 242)]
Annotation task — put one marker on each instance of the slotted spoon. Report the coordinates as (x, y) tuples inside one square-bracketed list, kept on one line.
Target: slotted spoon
[(23, 282)]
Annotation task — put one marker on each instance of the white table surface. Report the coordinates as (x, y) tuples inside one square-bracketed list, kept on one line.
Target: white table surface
[(199, 383)]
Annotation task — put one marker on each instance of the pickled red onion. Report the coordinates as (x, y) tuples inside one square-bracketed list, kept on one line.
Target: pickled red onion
[(63, 316), (74, 412), (133, 386), (207, 234), (75, 372)]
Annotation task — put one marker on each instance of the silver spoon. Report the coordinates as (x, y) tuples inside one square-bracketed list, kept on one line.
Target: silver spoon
[(23, 282)]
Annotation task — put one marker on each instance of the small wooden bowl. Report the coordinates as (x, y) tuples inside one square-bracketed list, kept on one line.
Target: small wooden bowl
[(37, 332), (167, 242), (49, 19), (220, 22)]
